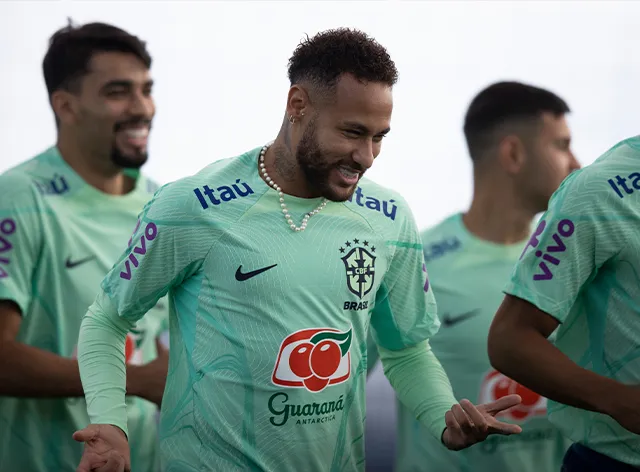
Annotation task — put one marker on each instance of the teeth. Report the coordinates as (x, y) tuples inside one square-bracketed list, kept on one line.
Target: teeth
[(348, 172), (137, 133)]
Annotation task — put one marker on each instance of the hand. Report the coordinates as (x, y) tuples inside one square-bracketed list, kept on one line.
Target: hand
[(468, 424), (148, 380), (105, 449)]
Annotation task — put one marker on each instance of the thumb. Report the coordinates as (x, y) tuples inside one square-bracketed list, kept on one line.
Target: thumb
[(84, 435)]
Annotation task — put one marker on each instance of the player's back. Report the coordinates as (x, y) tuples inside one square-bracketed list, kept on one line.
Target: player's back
[(581, 267), (467, 276), (58, 238)]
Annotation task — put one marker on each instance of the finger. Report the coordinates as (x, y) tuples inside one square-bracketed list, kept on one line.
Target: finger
[(479, 421), (452, 424), (502, 404), (85, 435), (115, 463), (506, 429), (88, 462), (464, 422)]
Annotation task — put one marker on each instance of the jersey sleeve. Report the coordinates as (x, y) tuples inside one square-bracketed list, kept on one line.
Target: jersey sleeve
[(583, 228), (405, 308), (20, 239), (169, 245)]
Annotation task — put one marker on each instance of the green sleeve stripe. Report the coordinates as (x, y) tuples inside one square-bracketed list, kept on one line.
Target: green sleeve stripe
[(405, 244)]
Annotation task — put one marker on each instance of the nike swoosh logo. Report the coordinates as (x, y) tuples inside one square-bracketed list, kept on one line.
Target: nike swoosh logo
[(241, 277), (69, 264), (449, 321)]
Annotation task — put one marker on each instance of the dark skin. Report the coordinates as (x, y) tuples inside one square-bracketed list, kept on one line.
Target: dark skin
[(518, 347), (343, 129)]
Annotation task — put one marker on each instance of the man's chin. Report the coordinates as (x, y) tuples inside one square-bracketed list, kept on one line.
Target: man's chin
[(129, 161), (339, 194)]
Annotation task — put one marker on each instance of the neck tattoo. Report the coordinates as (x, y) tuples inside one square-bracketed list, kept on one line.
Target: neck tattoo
[(283, 205)]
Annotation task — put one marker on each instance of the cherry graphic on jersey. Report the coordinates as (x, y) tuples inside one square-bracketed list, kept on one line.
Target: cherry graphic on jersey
[(505, 386), (325, 358), (502, 388), (315, 384), (129, 348), (529, 400), (299, 360)]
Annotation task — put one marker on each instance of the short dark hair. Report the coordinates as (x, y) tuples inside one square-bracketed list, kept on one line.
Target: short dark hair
[(505, 102), (325, 57), (72, 47)]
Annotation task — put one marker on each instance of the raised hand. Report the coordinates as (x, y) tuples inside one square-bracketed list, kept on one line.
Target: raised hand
[(468, 424)]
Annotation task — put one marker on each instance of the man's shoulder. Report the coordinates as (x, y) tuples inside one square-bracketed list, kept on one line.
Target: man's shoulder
[(611, 183), (38, 175), (214, 191), (442, 239), (378, 203)]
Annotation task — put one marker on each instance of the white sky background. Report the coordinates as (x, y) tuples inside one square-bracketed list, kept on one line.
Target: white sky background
[(221, 85)]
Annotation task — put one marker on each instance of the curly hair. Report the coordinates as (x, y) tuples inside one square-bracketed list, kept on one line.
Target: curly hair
[(325, 57)]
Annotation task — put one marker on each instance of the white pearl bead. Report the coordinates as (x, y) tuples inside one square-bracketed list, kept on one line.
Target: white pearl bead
[(278, 189)]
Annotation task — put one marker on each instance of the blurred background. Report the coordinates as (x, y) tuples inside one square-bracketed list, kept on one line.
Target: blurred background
[(221, 84)]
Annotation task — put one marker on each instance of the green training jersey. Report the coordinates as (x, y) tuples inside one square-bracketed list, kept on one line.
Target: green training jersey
[(59, 236), (268, 326), (580, 266), (467, 276)]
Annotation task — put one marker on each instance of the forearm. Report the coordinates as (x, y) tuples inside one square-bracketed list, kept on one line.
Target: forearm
[(530, 359), (420, 383), (102, 363), (26, 371)]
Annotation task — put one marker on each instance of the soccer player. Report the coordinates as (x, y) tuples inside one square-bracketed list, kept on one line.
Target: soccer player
[(519, 144), (276, 262), (579, 274), (64, 217)]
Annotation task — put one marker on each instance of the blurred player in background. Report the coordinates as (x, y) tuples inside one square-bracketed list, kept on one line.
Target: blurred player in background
[(65, 216), (579, 275), (276, 262), (519, 143)]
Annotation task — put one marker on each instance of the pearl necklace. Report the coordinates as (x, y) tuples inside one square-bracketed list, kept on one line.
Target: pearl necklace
[(283, 205)]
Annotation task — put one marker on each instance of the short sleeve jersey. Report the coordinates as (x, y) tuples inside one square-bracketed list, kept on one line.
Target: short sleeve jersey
[(581, 267), (59, 236), (269, 325)]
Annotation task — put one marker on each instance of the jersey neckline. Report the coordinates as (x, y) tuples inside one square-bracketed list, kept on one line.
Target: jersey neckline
[(89, 191), (290, 200), (499, 249)]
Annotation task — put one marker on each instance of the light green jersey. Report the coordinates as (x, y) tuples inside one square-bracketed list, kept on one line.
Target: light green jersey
[(581, 267), (58, 238), (268, 326), (467, 276)]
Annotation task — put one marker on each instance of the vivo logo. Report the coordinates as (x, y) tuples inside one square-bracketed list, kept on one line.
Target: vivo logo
[(564, 229), (150, 233), (7, 228)]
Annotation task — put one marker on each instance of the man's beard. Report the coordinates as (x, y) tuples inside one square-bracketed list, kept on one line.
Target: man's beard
[(128, 162), (312, 161)]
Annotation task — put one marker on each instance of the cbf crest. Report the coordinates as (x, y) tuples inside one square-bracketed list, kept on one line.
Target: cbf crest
[(359, 262)]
